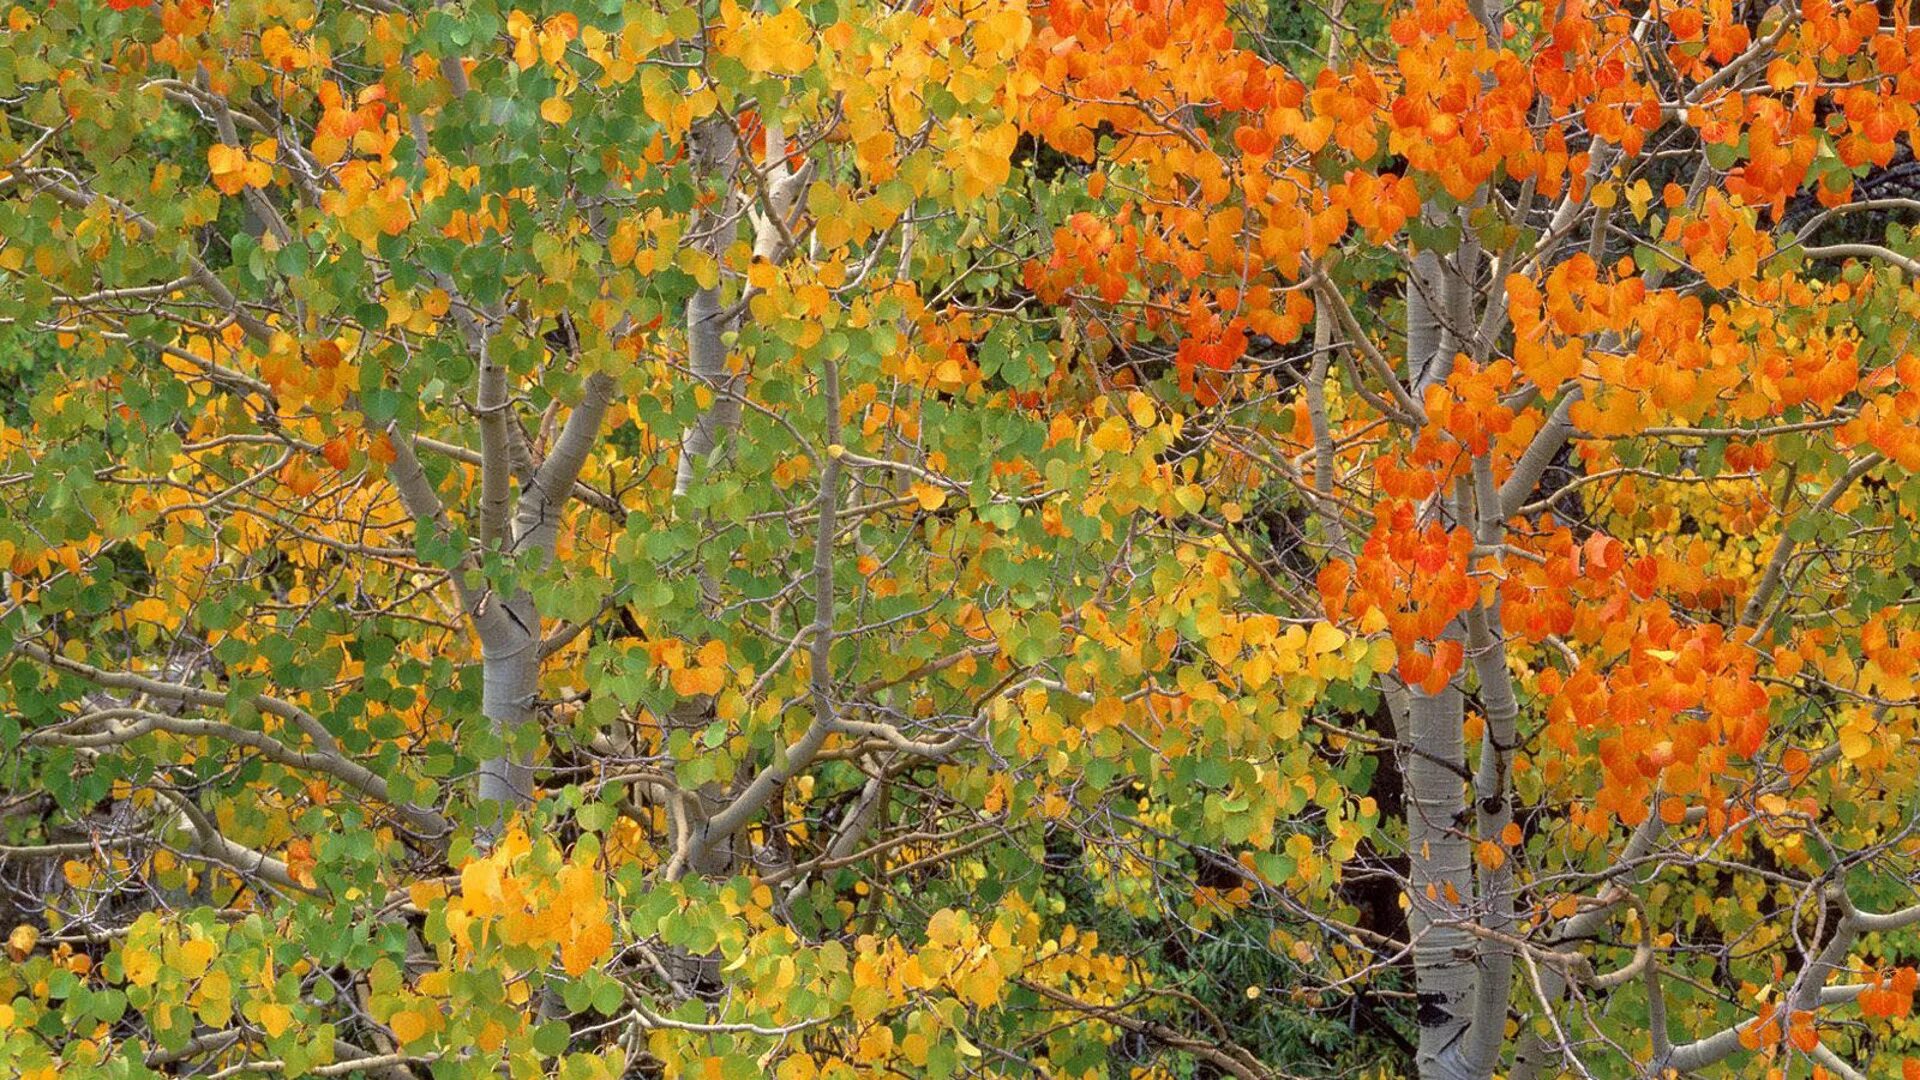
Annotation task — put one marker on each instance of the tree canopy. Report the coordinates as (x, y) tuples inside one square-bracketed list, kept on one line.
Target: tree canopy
[(959, 538)]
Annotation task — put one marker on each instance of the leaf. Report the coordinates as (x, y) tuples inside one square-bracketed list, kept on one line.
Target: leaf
[(195, 954), (408, 1026), (930, 497), (1856, 741), (20, 942), (1112, 436), (777, 44), (274, 1018), (1324, 638)]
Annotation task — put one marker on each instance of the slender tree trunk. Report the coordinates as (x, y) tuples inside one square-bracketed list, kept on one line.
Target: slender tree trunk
[(1424, 297), (510, 662), (707, 322), (1493, 809), (1442, 887), (1461, 989), (707, 356)]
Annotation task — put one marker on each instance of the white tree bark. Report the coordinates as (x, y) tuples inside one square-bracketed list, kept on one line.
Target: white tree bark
[(1441, 886), (708, 321)]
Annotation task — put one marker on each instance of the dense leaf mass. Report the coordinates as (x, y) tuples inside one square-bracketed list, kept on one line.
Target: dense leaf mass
[(1138, 538)]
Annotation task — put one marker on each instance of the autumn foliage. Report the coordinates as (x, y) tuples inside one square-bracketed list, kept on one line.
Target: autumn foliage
[(1097, 538)]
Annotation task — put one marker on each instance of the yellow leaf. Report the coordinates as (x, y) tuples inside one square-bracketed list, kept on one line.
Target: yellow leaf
[(1383, 654), (258, 174), (275, 1018), (624, 244), (1325, 638), (914, 1048), (399, 310), (703, 268), (195, 955), (214, 998), (945, 928), (141, 966), (982, 986), (228, 165), (1112, 436), (1856, 742), (1638, 196), (408, 1025), (777, 45), (21, 942), (931, 498), (556, 110), (1140, 407), (1004, 31), (984, 160)]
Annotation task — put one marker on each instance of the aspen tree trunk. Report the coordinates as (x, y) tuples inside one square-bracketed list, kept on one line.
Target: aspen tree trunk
[(713, 155), (509, 628), (510, 683), (511, 647), (1463, 979), (706, 846), (1440, 856), (1441, 882), (707, 327), (707, 822)]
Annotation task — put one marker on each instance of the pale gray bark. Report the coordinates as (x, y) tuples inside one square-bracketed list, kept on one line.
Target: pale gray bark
[(537, 516), (707, 324), (708, 320), (1324, 453), (1424, 299), (1441, 885), (1538, 455), (772, 194), (118, 726), (1467, 938), (1493, 806), (1441, 892), (496, 456), (511, 649), (1403, 406), (510, 683), (846, 836), (245, 862), (509, 628)]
